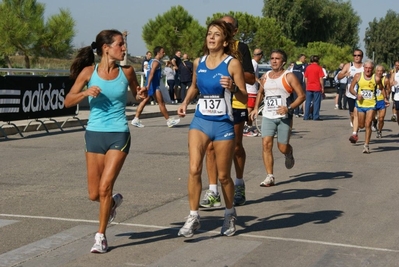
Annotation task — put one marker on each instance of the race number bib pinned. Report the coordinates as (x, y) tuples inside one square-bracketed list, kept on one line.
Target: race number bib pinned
[(272, 103), (212, 105), (367, 94)]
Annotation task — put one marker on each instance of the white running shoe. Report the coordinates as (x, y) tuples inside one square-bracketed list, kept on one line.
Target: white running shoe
[(269, 181), (136, 122), (191, 225), (118, 199), (366, 149), (172, 122), (100, 244)]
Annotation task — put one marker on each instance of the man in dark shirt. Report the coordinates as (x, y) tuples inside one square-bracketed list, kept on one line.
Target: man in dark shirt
[(186, 75), (176, 61)]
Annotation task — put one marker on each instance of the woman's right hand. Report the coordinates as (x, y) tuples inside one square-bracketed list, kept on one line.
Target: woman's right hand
[(93, 91), (181, 110)]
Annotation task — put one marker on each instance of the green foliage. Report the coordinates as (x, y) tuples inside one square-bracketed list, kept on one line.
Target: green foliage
[(330, 55), (258, 32), (305, 21), (382, 38), (24, 31), (56, 39), (174, 30)]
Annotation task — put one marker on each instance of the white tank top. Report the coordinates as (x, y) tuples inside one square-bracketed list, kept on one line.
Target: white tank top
[(353, 70), (277, 91)]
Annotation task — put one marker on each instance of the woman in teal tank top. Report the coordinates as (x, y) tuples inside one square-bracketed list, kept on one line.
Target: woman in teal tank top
[(107, 135)]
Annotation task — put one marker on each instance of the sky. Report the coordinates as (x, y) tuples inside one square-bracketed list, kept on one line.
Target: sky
[(92, 16)]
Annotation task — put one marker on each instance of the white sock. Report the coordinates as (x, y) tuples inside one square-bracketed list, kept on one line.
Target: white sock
[(239, 182), (214, 188), (354, 133), (194, 212)]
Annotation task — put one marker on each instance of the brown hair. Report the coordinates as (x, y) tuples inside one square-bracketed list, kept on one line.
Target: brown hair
[(85, 56), (227, 31)]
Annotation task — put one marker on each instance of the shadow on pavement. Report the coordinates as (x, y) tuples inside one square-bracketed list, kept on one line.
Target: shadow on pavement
[(289, 220)]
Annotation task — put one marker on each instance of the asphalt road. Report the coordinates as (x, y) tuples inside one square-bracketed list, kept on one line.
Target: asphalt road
[(336, 207)]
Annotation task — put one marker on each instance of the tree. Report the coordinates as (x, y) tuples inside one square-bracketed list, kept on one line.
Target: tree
[(23, 31), (258, 32), (174, 30), (330, 55), (305, 21), (382, 38)]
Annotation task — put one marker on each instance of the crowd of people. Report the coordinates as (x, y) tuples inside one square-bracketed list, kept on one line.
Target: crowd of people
[(228, 93)]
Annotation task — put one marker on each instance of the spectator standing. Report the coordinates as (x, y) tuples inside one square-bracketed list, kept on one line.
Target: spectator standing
[(147, 58), (186, 75), (314, 80), (298, 69), (176, 61), (107, 137), (169, 73), (340, 98)]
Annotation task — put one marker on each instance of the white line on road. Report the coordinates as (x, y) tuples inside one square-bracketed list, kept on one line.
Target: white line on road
[(217, 232)]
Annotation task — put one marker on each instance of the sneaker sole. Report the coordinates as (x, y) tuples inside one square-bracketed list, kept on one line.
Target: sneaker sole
[(211, 205), (231, 234), (266, 185), (190, 235), (239, 204), (98, 251)]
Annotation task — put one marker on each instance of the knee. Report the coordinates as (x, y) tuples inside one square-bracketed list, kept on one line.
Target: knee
[(94, 196), (224, 180), (195, 170), (267, 147), (105, 191)]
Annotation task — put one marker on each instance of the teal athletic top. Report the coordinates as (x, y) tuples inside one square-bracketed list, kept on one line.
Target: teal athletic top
[(107, 110)]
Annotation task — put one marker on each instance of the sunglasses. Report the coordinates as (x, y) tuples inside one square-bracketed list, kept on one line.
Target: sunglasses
[(357, 55), (260, 54)]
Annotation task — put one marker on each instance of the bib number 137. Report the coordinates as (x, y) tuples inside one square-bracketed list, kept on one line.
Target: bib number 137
[(212, 106)]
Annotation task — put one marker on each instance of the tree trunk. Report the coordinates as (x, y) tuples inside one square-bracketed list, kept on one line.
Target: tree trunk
[(27, 62), (7, 59)]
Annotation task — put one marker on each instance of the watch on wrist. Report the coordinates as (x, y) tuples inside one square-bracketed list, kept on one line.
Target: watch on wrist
[(290, 110)]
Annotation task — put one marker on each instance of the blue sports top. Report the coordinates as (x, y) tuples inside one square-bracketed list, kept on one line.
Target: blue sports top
[(107, 110), (156, 78), (215, 101)]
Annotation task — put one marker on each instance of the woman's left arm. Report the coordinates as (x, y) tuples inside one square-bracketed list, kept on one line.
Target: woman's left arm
[(133, 83)]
